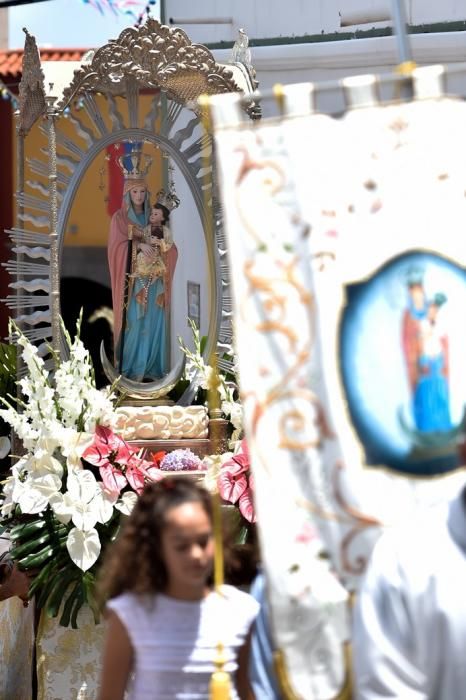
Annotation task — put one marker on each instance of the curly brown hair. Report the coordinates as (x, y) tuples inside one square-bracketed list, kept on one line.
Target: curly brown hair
[(134, 562)]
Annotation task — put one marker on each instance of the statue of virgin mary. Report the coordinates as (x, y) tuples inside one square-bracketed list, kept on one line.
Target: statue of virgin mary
[(142, 259)]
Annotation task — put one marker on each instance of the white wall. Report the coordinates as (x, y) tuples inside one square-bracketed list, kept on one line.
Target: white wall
[(424, 11), (274, 18), (3, 29), (191, 266), (334, 60), (260, 18)]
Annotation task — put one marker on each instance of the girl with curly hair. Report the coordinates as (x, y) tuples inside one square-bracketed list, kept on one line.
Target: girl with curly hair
[(164, 620)]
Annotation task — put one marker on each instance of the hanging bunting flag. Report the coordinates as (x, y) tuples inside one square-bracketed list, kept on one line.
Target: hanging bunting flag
[(129, 7)]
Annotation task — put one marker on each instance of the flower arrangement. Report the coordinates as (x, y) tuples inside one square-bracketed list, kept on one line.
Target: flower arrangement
[(211, 380), (230, 476), (63, 500)]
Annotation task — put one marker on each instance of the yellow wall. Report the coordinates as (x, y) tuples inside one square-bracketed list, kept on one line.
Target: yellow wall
[(89, 222)]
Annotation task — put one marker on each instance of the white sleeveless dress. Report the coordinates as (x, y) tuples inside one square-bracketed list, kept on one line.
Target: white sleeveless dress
[(175, 641)]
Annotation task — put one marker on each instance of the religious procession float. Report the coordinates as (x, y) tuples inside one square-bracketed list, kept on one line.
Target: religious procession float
[(284, 226)]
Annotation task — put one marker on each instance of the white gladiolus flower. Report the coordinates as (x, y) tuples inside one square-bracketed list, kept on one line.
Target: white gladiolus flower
[(30, 356), (83, 547), (206, 377), (80, 354), (235, 411), (21, 426), (100, 411), (72, 445), (46, 443), (39, 394)]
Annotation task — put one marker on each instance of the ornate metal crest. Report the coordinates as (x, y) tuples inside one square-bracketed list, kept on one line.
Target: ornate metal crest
[(156, 56)]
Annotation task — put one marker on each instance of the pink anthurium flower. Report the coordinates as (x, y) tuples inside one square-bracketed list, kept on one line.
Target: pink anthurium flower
[(231, 485), (135, 475), (232, 481), (135, 479), (246, 506), (113, 479), (107, 449), (242, 456), (236, 483), (151, 471), (111, 454)]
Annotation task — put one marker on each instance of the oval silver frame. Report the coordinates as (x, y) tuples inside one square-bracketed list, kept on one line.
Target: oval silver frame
[(161, 387), (151, 57)]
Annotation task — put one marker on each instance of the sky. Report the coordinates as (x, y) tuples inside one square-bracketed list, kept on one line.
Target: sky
[(68, 23)]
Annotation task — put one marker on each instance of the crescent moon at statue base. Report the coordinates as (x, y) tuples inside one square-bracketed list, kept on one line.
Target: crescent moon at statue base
[(143, 390)]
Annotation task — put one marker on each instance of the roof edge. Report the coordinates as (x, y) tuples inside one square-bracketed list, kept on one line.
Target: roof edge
[(433, 28)]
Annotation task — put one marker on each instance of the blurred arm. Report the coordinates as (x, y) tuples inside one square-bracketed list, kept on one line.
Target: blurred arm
[(242, 675), (117, 660), (385, 653)]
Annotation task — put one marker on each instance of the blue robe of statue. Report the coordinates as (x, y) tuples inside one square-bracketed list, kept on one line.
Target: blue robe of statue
[(145, 334), (144, 351)]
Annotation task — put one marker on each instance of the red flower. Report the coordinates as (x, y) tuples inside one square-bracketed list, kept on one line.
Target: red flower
[(157, 457)]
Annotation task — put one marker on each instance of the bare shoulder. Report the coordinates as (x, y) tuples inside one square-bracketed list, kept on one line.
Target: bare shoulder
[(117, 632)]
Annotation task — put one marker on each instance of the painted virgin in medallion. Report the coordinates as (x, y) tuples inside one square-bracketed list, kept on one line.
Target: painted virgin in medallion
[(425, 345), (402, 350)]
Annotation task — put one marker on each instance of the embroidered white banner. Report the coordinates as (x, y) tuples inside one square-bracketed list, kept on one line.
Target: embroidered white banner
[(347, 246)]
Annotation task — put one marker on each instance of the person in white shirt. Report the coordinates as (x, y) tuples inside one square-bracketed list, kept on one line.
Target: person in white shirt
[(164, 619), (409, 635)]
